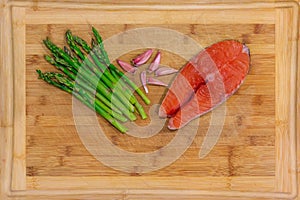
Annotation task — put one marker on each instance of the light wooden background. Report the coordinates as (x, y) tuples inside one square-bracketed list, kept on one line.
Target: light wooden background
[(298, 124), (51, 132), (37, 167)]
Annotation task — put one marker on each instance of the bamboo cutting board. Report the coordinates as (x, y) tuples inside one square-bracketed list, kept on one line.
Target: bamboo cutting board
[(255, 156)]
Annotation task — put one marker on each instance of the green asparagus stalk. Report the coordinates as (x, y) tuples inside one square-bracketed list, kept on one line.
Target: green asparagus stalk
[(88, 92), (60, 67), (79, 83), (98, 53), (90, 52), (141, 110), (77, 89), (98, 63), (58, 51), (112, 97), (69, 52), (74, 64), (137, 105), (101, 91), (103, 74), (85, 100), (82, 43), (128, 95), (131, 83), (100, 43), (124, 87), (62, 62), (112, 67)]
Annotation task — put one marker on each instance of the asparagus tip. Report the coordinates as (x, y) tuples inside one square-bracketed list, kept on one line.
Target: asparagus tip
[(45, 42), (93, 42), (47, 39), (68, 33), (39, 73), (49, 59)]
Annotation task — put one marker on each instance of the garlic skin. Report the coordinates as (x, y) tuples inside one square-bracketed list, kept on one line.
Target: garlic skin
[(142, 58), (155, 64), (144, 81), (126, 66), (153, 81), (165, 71)]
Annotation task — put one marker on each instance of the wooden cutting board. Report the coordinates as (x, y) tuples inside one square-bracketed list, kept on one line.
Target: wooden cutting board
[(254, 156)]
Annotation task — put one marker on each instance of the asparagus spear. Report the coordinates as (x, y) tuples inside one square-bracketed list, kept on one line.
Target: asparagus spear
[(137, 105), (69, 52), (98, 53), (58, 51), (78, 89), (102, 93), (124, 87), (131, 83), (112, 83), (81, 96), (104, 74), (82, 43), (100, 43), (63, 63), (98, 62), (74, 64), (108, 78), (60, 67), (112, 67), (86, 91)]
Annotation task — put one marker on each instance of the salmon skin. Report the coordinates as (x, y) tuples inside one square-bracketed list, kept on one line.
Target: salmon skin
[(205, 82)]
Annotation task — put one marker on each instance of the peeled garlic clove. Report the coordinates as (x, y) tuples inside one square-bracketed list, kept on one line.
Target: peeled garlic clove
[(153, 81), (142, 58), (155, 64), (126, 66), (144, 81), (165, 71)]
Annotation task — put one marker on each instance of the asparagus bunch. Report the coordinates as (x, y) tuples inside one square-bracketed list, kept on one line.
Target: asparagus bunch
[(88, 74)]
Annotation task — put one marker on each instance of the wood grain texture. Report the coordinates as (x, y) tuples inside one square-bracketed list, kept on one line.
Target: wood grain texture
[(6, 97), (6, 72), (19, 151), (284, 117), (153, 16), (298, 111), (156, 2), (131, 197), (178, 183), (6, 140), (52, 135), (49, 117), (180, 194)]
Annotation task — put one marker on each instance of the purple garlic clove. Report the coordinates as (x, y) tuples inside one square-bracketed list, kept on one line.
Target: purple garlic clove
[(155, 64), (144, 81), (153, 81), (126, 66), (165, 71), (142, 58)]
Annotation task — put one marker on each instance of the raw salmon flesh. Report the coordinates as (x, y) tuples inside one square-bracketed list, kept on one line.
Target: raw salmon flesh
[(205, 82)]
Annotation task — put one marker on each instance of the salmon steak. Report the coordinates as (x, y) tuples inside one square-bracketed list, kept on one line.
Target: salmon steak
[(205, 82)]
